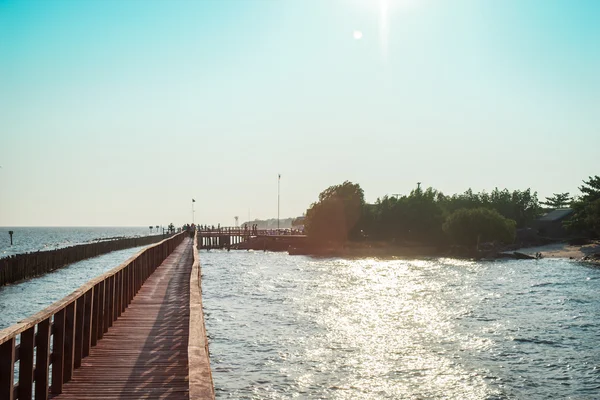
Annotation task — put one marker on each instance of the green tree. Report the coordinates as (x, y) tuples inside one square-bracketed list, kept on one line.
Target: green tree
[(522, 206), (469, 227), (335, 216), (423, 216), (592, 217), (417, 217), (591, 189), (558, 200), (585, 219)]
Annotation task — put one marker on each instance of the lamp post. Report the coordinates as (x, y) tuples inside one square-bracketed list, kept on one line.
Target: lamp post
[(278, 198), (193, 212)]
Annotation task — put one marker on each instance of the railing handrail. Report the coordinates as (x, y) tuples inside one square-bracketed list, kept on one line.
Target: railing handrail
[(245, 232), (17, 267), (23, 325)]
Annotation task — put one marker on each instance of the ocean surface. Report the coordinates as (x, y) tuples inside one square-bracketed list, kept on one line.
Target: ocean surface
[(285, 327), (27, 239)]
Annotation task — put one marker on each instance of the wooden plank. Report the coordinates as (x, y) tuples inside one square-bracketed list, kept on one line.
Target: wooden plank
[(108, 309), (129, 272), (58, 351), (95, 314), (101, 311), (42, 360), (72, 337), (87, 322), (26, 363), (7, 369), (118, 295), (126, 285)]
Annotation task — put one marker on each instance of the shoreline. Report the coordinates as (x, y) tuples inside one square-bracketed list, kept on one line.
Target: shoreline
[(554, 250), (563, 250)]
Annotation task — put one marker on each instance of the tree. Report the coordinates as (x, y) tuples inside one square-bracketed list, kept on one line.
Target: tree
[(522, 206), (558, 200), (586, 215), (423, 216), (592, 217), (171, 228), (470, 227), (591, 189), (417, 217), (335, 216)]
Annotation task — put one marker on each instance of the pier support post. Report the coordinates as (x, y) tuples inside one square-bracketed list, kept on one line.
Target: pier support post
[(7, 368)]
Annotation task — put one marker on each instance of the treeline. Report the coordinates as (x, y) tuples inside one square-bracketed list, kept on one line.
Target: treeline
[(427, 216)]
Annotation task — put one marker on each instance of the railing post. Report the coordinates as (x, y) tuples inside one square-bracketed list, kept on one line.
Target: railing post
[(136, 283), (137, 271), (78, 336), (95, 311), (88, 312), (73, 337), (110, 303), (7, 369), (123, 289), (26, 363), (58, 351), (42, 360), (119, 289), (130, 283), (102, 294)]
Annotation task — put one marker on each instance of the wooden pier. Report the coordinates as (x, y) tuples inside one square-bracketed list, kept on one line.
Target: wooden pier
[(240, 238), (136, 332)]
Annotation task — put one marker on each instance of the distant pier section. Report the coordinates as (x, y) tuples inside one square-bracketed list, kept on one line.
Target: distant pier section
[(248, 238)]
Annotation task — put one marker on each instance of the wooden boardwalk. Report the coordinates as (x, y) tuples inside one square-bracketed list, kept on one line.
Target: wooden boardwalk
[(144, 355)]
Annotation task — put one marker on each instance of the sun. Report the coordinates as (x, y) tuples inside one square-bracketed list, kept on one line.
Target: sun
[(385, 10)]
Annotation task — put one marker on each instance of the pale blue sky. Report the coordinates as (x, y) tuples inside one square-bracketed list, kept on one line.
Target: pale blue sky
[(119, 112)]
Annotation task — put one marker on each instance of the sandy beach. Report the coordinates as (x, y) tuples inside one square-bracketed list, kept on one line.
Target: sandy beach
[(563, 250)]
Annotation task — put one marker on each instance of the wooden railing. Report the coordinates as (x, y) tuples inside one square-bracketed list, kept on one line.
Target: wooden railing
[(200, 376), (237, 231), (49, 345), (28, 265)]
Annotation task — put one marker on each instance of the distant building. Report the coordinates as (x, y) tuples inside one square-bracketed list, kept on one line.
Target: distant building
[(551, 224)]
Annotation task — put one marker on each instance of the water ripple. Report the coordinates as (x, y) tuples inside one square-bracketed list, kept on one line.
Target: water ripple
[(283, 327)]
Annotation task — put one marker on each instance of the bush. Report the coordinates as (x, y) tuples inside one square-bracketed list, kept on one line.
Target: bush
[(468, 227)]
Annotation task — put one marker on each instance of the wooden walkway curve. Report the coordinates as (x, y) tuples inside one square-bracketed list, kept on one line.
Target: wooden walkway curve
[(144, 355)]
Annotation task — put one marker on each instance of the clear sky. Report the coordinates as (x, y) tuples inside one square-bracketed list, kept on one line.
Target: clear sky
[(120, 112)]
